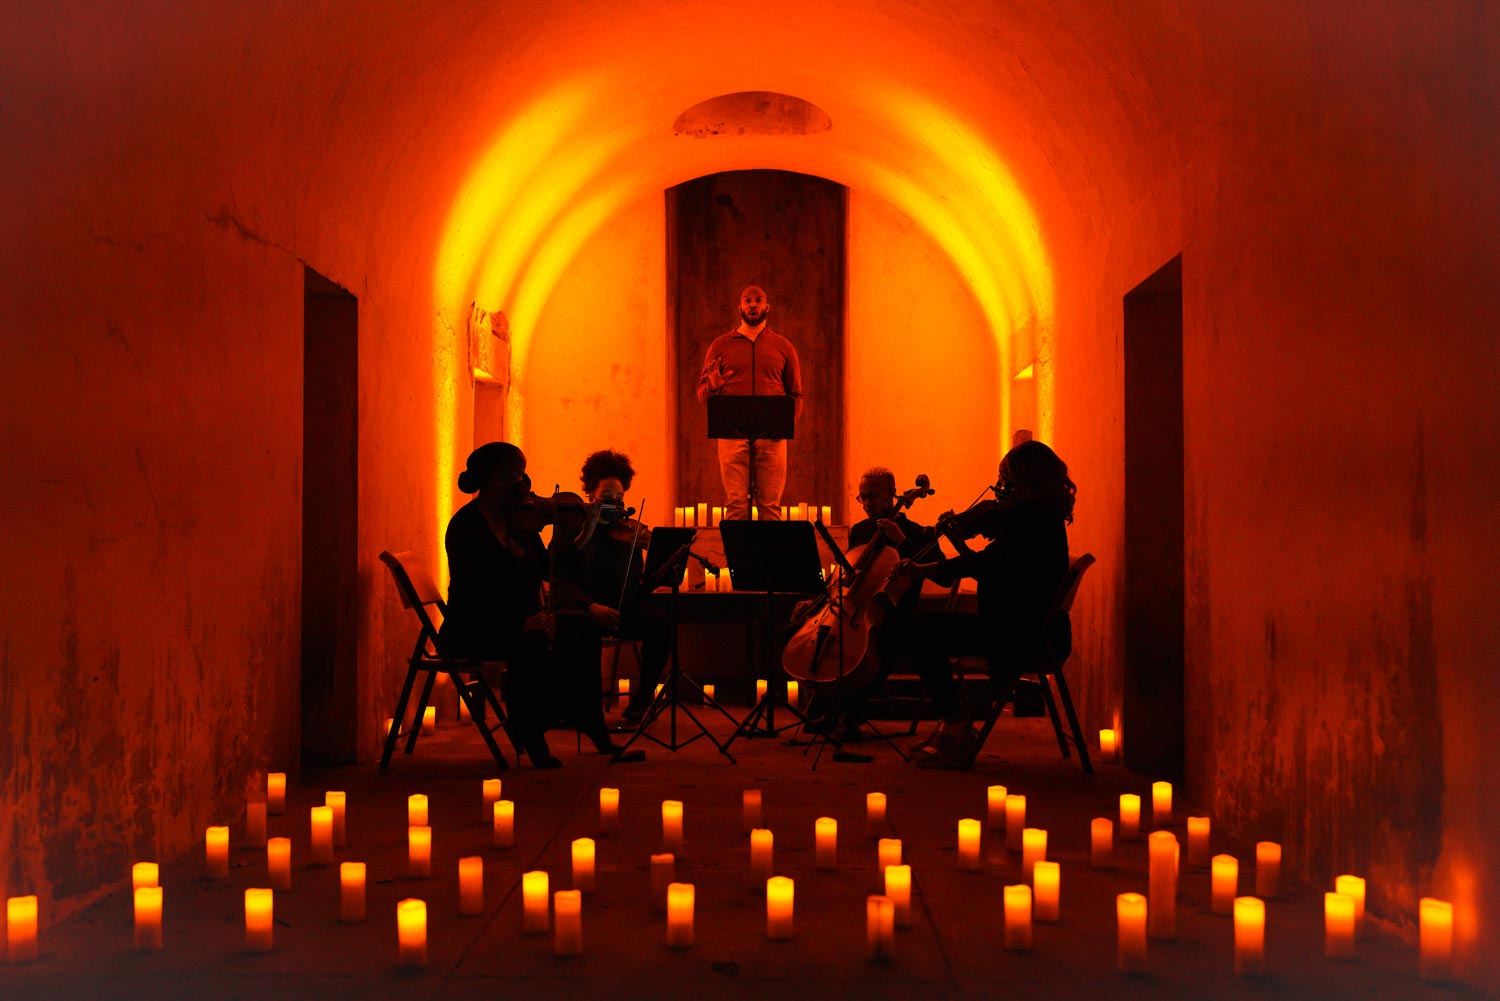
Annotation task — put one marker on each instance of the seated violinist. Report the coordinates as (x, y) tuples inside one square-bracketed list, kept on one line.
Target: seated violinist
[(1017, 573), (602, 577)]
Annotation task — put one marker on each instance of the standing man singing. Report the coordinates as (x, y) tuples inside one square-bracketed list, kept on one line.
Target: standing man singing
[(752, 360)]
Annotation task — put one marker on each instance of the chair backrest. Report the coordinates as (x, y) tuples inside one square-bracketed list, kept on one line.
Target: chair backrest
[(1068, 590), (1057, 627), (418, 590)]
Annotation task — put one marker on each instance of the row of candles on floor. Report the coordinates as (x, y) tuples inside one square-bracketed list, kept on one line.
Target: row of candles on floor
[(706, 516)]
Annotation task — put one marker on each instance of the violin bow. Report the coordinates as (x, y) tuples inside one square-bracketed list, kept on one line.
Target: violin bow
[(630, 560)]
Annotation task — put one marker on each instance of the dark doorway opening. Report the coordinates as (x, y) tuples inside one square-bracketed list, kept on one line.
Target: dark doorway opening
[(1153, 713), (785, 232), (330, 525)]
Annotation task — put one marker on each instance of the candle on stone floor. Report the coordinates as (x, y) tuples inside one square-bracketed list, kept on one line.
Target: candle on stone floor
[(760, 688), (826, 837), (1130, 817), (671, 826), (1101, 842), (1108, 746), (702, 515), (677, 519), (429, 720), (1249, 936), (504, 824), (1046, 880), (780, 900), (898, 889), (351, 891), (489, 795), (1197, 835), (471, 884), (1225, 880), (880, 927), (750, 804), (1162, 848), (534, 889), (762, 850), (567, 935), (320, 822), (624, 687), (1267, 869), (216, 852), (338, 802), (793, 695), (968, 844), (874, 814), (679, 915), (1161, 803), (20, 929), (276, 793), (145, 874), (708, 690), (1018, 916), (663, 873), (147, 919), (1435, 938), (1130, 917), (1015, 821), (994, 816), (583, 864), (463, 711), (609, 809), (279, 863), (1354, 887), (1338, 926), (418, 851), (827, 515), (260, 903), (690, 517), (416, 810), (411, 933), (888, 852), (726, 580), (1033, 850), (255, 824), (390, 724)]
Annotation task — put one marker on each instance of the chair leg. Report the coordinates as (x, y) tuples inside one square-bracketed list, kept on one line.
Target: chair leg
[(475, 703), (395, 731), (416, 725), (1067, 701), (1052, 714), (1004, 690)]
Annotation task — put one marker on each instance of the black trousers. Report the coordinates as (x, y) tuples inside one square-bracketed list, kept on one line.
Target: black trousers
[(653, 627), (929, 640)]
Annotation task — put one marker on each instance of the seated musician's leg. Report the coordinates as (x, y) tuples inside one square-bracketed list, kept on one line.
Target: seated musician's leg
[(577, 651), (734, 472), (653, 627), (527, 700)]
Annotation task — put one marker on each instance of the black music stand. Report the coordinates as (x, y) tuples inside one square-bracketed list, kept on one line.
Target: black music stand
[(666, 565), (774, 557), (747, 418)]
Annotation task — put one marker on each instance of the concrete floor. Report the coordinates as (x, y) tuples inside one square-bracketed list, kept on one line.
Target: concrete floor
[(953, 949)]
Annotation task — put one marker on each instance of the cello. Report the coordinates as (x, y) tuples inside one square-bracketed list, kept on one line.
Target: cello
[(831, 643)]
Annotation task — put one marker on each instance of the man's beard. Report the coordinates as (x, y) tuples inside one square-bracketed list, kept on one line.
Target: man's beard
[(749, 322)]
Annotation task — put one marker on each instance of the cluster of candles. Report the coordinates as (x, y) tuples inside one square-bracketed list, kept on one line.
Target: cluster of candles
[(709, 516), (1037, 897)]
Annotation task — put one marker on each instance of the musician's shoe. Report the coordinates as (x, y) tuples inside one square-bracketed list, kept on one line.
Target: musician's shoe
[(539, 753), (633, 714), (925, 742), (946, 751)]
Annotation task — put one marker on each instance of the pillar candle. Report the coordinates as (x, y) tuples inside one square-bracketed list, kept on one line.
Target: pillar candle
[(1108, 746), (793, 694), (888, 852), (463, 711), (826, 836), (898, 889), (1018, 916), (874, 814), (216, 852), (145, 874), (726, 580), (716, 515), (471, 885), (797, 513), (880, 927), (338, 802), (750, 804), (321, 836), (679, 915), (677, 519), (760, 688), (419, 851), (351, 891), (1267, 869), (260, 905), (1130, 817), (1354, 888), (1226, 883), (534, 887), (755, 512), (968, 844), (1015, 821), (1435, 938), (1249, 936), (279, 863), (416, 810), (702, 515), (20, 929), (1162, 848), (994, 816), (1130, 918), (1197, 835), (276, 793), (489, 795), (671, 825), (255, 824), (1161, 803), (390, 724), (567, 935), (609, 809), (429, 719), (624, 686), (827, 515), (780, 900), (505, 824), (1033, 850), (411, 933), (1338, 926), (1046, 880), (708, 690), (147, 919), (583, 864), (762, 848), (1101, 842), (689, 517), (663, 873)]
